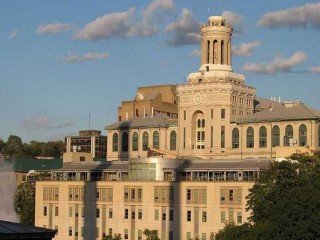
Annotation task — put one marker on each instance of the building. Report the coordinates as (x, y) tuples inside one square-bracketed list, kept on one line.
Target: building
[(90, 141), (186, 175), (16, 231)]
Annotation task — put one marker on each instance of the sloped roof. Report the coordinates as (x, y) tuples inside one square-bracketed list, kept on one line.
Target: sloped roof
[(147, 122), (11, 230), (27, 164), (279, 112)]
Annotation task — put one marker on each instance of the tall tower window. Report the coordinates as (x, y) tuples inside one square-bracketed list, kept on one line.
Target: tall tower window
[(319, 136), (222, 52), (288, 135), (115, 139), (208, 51), (200, 132), (223, 136), (302, 135), (250, 137), (215, 50), (135, 141), (156, 139), (145, 141), (263, 137), (275, 136), (125, 142), (235, 138)]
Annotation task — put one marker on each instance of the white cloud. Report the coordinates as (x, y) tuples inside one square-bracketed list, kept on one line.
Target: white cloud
[(86, 57), (315, 69), (245, 49), (195, 53), (303, 16), (147, 26), (184, 31), (125, 24), (278, 65), (235, 19), (44, 122), (53, 28), (13, 34)]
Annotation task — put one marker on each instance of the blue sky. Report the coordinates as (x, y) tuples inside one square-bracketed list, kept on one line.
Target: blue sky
[(60, 59)]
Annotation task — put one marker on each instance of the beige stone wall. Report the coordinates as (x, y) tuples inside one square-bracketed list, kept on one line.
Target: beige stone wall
[(180, 226)]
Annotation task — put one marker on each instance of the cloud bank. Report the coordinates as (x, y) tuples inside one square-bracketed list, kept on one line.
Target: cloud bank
[(74, 58), (278, 65), (235, 19), (297, 17), (315, 69), (53, 28), (44, 122), (245, 49)]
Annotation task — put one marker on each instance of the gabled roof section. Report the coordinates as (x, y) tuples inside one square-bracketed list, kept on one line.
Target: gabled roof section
[(147, 122), (287, 111)]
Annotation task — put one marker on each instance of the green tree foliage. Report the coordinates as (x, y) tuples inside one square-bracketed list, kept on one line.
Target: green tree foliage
[(14, 148), (284, 202), (151, 234), (114, 237), (24, 202)]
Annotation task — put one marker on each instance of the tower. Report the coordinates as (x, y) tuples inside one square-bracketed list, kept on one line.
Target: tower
[(216, 44), (212, 97)]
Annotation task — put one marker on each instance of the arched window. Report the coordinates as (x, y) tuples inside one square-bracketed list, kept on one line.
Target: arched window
[(156, 139), (222, 52), (275, 136), (235, 138), (208, 51), (115, 139), (302, 135), (125, 142), (228, 54), (250, 137), (200, 132), (135, 141), (288, 135), (173, 140), (263, 137), (214, 54), (145, 141)]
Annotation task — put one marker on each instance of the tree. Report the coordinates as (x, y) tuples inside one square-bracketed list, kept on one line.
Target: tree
[(151, 234), (2, 144), (115, 237), (24, 202), (13, 147), (284, 202)]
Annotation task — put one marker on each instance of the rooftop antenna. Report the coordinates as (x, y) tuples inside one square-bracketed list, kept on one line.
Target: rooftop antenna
[(89, 120)]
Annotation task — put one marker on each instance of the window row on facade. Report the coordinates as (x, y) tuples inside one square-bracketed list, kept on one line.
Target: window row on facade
[(144, 141)]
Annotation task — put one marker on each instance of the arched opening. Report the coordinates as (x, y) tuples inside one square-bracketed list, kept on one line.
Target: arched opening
[(156, 139), (115, 142), (215, 50), (145, 141), (319, 136), (229, 53), (208, 51), (198, 130), (235, 138), (288, 135), (303, 135), (250, 137), (173, 140), (263, 137), (124, 142), (135, 141), (275, 136), (222, 52)]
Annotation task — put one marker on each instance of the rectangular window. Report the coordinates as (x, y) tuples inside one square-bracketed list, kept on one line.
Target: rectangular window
[(139, 234), (45, 211), (97, 213), (184, 138), (140, 214), (70, 212), (211, 137), (170, 235), (211, 113), (231, 195), (133, 214), (82, 211), (188, 195), (239, 217), (223, 113), (70, 231), (223, 136), (56, 211), (171, 215), (126, 234), (189, 216), (231, 216), (223, 217), (110, 231), (184, 115), (156, 214), (164, 216), (204, 216), (110, 213), (188, 235), (82, 231), (126, 214), (97, 232)]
